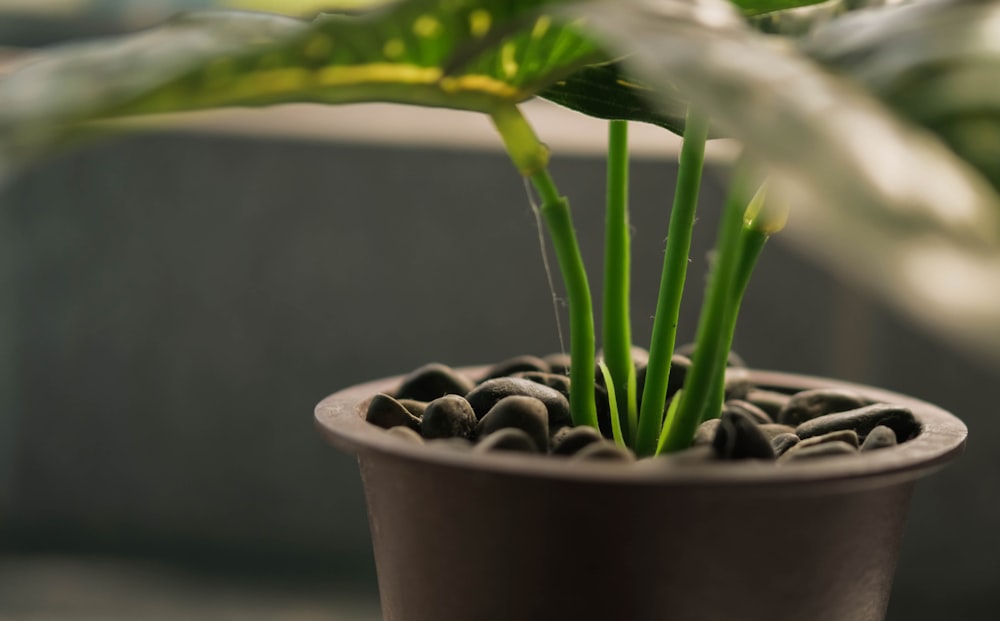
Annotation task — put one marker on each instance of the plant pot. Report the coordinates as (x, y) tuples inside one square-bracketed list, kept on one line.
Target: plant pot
[(473, 537)]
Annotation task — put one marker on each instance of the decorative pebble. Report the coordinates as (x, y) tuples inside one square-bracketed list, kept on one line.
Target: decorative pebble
[(406, 433), (459, 445), (771, 430), (517, 364), (558, 363), (449, 416), (604, 450), (552, 380), (878, 438), (732, 360), (387, 412), (705, 433), (827, 449), (525, 413), (784, 441), (432, 381), (863, 420), (848, 436), (508, 439), (738, 384), (484, 396), (768, 400), (569, 440), (413, 406), (758, 415), (810, 404), (679, 367), (703, 453), (738, 437)]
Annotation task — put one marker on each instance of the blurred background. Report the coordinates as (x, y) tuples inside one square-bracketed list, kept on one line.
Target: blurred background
[(174, 303)]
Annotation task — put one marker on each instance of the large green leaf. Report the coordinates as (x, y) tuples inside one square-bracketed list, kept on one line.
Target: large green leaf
[(756, 7), (607, 92), (936, 63), (880, 196), (466, 54)]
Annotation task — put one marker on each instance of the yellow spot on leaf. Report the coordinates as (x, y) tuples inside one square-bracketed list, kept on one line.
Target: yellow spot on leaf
[(393, 48), (426, 26), (627, 84), (481, 84), (508, 59), (480, 21), (385, 73), (319, 47), (541, 27)]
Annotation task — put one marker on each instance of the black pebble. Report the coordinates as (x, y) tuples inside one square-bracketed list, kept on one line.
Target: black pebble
[(700, 454), (738, 384), (768, 400), (810, 404), (459, 445), (449, 416), (387, 413), (558, 363), (705, 433), (518, 364), (486, 395), (604, 450), (739, 438), (878, 438), (413, 406), (863, 420), (848, 436), (525, 413), (773, 430), (406, 433), (432, 381), (782, 442), (552, 380), (827, 449), (569, 440), (758, 415), (509, 439)]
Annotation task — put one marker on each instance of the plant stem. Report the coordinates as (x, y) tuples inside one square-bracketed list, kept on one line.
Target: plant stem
[(616, 425), (711, 343), (761, 219), (751, 243), (617, 330), (675, 262), (531, 158)]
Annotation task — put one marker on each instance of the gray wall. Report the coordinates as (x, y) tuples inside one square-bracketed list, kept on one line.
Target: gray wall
[(174, 305)]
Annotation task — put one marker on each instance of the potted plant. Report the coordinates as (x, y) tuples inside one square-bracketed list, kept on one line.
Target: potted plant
[(464, 535)]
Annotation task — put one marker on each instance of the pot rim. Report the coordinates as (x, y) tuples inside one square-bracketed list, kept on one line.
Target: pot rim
[(340, 419)]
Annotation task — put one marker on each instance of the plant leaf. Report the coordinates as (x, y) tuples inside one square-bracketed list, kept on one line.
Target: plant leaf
[(859, 177), (936, 63), (756, 7), (468, 54), (604, 92)]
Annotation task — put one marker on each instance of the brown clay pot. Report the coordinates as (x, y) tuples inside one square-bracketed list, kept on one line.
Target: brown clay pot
[(469, 537)]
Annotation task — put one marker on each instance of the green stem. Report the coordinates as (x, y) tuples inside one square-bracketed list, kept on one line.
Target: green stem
[(617, 330), (751, 243), (761, 219), (531, 158), (701, 386), (675, 262)]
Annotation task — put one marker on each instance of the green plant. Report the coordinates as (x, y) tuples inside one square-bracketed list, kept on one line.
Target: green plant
[(696, 67)]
